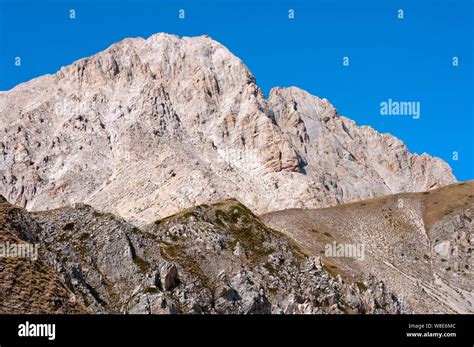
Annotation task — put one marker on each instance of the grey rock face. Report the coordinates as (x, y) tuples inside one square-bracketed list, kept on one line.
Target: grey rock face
[(149, 127), (169, 274), (182, 264)]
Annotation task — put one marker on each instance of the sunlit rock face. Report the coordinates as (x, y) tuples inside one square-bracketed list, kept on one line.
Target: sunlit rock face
[(149, 127)]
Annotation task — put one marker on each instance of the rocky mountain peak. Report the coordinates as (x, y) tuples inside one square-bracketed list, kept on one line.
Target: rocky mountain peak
[(149, 127)]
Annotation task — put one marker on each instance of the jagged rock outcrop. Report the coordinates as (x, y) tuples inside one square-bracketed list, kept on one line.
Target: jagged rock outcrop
[(149, 127), (93, 262)]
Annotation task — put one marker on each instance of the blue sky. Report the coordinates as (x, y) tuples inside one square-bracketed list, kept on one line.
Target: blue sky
[(389, 58)]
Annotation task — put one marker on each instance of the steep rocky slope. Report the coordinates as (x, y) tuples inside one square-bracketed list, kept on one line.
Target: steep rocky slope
[(419, 244), (27, 285), (149, 127), (208, 259)]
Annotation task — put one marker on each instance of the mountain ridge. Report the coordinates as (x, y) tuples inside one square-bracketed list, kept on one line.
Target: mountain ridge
[(209, 259), (222, 258), (148, 127), (419, 244)]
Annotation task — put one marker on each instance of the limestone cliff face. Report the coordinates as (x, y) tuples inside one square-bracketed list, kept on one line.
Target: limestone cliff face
[(149, 127), (351, 162)]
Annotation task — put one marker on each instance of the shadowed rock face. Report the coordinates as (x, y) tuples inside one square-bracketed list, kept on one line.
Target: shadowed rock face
[(208, 259), (419, 244), (149, 127)]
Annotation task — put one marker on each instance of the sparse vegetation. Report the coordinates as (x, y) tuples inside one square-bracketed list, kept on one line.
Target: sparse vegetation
[(151, 290), (142, 264), (361, 285), (84, 236), (68, 227)]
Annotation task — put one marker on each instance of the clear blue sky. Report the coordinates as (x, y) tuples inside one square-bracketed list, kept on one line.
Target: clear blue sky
[(405, 60)]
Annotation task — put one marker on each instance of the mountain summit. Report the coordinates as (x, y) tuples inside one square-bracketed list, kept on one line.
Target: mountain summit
[(149, 127)]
